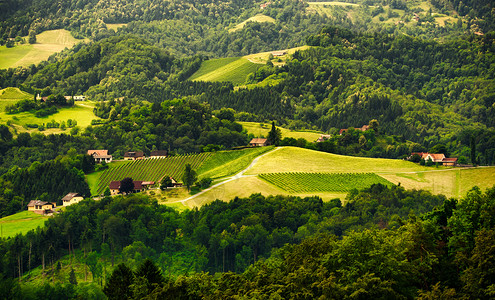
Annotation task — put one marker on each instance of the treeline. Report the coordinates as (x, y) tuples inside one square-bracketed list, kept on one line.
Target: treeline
[(48, 181), (384, 241)]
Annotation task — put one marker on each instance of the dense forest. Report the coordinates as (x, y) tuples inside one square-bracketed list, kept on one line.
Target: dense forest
[(421, 92), (385, 242)]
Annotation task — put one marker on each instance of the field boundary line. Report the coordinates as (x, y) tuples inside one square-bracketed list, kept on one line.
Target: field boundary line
[(229, 179)]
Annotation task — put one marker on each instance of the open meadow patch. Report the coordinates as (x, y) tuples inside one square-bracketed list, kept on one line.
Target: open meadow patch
[(301, 182), (20, 223)]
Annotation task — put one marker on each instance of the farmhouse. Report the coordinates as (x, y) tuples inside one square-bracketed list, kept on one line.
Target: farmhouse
[(323, 138), (79, 98), (139, 186), (71, 198), (158, 154), (363, 128), (264, 5), (279, 53), (133, 155), (256, 142), (436, 158), (100, 156), (41, 207)]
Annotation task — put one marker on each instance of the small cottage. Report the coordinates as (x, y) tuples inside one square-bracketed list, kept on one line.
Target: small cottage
[(158, 154), (41, 207), (133, 155), (71, 198), (257, 142), (139, 186), (100, 156)]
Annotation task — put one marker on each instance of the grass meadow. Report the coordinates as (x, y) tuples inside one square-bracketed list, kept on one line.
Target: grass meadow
[(232, 69), (20, 223), (260, 18), (47, 43), (227, 163), (262, 129)]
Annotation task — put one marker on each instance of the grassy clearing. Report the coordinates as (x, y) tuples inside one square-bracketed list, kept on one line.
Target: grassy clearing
[(301, 182), (292, 159), (10, 56), (234, 70), (333, 3), (245, 186), (262, 129), (226, 163), (82, 112), (451, 182), (262, 57), (47, 43), (260, 18), (115, 26), (20, 223), (11, 95)]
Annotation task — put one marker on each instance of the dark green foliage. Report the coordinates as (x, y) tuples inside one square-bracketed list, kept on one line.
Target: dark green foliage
[(166, 182), (205, 183), (274, 135), (72, 277), (118, 286), (151, 273), (126, 185), (189, 177)]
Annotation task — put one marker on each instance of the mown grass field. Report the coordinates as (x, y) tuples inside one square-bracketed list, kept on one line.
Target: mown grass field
[(115, 26), (232, 69), (292, 159), (47, 43), (11, 95), (82, 112), (148, 170), (452, 182), (301, 182), (20, 223), (260, 18), (227, 163), (262, 129)]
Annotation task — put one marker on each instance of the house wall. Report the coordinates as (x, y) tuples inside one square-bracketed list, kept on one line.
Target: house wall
[(31, 208)]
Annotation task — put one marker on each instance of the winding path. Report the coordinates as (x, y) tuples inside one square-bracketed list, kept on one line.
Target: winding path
[(236, 176)]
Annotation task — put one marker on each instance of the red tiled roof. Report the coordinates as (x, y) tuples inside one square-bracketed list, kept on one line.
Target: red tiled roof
[(134, 154), (159, 153), (257, 141), (450, 159), (97, 152), (114, 185)]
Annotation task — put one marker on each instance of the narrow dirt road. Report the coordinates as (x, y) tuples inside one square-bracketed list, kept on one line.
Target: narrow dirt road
[(236, 176)]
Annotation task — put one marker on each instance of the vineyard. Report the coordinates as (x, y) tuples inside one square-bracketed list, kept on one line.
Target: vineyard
[(301, 182), (151, 169)]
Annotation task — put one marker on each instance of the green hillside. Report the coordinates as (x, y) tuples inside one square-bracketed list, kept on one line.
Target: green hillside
[(259, 129), (148, 169), (20, 223), (232, 69), (47, 43)]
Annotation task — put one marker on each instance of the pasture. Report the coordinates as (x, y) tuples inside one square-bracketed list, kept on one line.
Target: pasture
[(232, 69), (20, 223), (47, 43), (262, 129), (260, 18), (227, 163)]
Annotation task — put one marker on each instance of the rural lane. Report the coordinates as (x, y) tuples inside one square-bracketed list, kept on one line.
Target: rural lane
[(236, 176)]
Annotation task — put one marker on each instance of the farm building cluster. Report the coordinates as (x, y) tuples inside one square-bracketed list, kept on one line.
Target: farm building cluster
[(102, 155), (45, 208), (439, 158)]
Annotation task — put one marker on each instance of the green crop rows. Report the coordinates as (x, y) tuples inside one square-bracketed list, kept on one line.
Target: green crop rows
[(322, 182), (152, 169)]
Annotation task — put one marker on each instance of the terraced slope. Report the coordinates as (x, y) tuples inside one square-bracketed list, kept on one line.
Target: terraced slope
[(151, 169)]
